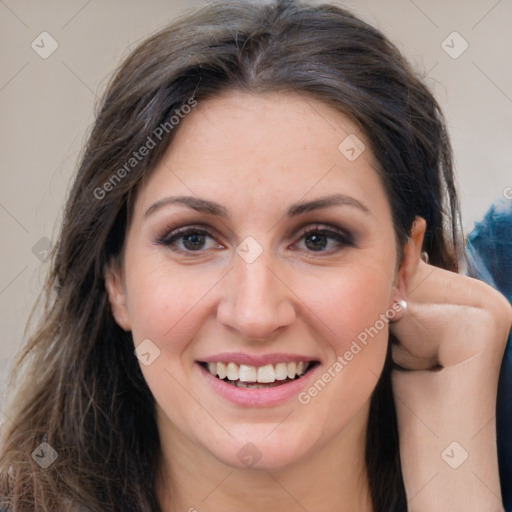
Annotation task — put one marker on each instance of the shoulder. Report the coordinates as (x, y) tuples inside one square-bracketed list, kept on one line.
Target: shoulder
[(489, 248)]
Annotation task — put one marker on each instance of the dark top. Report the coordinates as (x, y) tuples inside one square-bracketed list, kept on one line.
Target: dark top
[(489, 251)]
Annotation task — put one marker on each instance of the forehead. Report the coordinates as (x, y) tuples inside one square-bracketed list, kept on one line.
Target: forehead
[(246, 148)]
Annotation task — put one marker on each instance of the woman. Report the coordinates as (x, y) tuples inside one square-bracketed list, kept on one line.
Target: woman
[(249, 215)]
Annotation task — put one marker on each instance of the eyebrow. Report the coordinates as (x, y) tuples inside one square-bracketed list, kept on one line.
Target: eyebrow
[(295, 209), (325, 202), (196, 203)]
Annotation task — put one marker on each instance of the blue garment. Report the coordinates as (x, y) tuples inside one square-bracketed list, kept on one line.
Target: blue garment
[(489, 252)]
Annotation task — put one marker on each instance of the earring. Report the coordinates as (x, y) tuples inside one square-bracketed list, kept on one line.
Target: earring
[(424, 256), (403, 304)]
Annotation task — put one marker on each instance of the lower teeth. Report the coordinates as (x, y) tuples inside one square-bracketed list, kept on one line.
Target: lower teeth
[(256, 385)]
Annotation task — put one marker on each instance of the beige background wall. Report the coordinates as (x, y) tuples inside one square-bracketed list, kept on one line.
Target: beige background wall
[(47, 107)]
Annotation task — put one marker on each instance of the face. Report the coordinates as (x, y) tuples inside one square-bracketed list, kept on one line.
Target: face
[(263, 247)]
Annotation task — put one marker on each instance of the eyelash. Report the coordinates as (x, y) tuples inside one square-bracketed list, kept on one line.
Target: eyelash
[(344, 239)]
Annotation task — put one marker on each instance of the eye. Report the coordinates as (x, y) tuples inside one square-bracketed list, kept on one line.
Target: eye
[(189, 239), (324, 240)]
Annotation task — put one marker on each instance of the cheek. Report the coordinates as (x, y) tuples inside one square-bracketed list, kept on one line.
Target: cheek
[(168, 306), (350, 312), (351, 301), (164, 300)]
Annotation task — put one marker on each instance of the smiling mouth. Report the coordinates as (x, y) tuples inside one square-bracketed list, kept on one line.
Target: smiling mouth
[(257, 377)]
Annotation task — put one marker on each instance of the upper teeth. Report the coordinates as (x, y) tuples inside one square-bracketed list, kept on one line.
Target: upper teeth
[(264, 374)]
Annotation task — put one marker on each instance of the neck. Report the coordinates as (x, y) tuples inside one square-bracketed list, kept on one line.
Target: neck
[(334, 477)]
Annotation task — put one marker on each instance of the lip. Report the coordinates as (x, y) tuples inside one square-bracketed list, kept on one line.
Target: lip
[(256, 360), (259, 397)]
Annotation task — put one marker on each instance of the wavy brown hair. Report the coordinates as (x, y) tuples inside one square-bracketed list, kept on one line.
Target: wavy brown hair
[(77, 383)]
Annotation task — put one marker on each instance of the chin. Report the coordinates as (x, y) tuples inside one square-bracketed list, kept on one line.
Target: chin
[(262, 452)]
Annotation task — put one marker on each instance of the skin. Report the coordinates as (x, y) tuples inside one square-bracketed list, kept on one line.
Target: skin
[(291, 299), (462, 325)]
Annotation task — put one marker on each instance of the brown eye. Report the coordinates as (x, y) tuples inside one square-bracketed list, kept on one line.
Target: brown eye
[(188, 239), (193, 241), (324, 240), (316, 241)]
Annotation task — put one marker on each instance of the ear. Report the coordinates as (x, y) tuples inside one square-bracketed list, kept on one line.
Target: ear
[(116, 292), (410, 262)]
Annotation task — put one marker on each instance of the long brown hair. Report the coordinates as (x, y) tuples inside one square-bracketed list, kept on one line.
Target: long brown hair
[(77, 384)]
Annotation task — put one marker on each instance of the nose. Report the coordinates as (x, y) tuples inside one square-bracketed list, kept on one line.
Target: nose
[(256, 301)]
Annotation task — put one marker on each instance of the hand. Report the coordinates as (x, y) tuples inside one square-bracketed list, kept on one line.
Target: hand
[(451, 341), (448, 320)]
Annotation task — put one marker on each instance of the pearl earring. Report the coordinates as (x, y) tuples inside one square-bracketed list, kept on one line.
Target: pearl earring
[(403, 304)]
